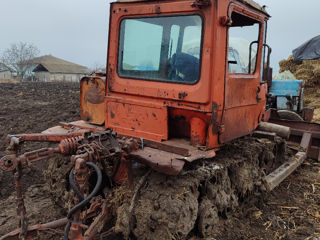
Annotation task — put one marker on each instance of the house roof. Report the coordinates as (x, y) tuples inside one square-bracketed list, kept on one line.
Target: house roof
[(57, 65), (4, 68)]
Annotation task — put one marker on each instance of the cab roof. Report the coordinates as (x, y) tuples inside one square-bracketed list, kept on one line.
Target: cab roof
[(251, 3)]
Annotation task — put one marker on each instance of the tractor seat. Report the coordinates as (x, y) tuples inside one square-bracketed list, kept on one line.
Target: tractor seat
[(184, 68)]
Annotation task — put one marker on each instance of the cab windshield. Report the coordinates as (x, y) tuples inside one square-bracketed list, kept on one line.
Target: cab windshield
[(161, 48)]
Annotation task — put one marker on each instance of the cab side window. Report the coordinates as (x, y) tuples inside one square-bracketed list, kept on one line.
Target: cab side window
[(243, 44)]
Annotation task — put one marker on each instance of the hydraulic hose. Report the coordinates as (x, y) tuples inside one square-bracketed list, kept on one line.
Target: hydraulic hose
[(85, 201), (73, 185), (66, 230)]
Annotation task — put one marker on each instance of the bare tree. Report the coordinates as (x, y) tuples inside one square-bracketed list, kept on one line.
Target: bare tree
[(96, 67), (19, 57)]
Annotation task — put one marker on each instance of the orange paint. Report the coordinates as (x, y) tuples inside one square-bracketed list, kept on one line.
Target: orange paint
[(221, 106), (198, 131)]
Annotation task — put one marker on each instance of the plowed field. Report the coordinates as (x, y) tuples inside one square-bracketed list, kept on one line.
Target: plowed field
[(291, 211)]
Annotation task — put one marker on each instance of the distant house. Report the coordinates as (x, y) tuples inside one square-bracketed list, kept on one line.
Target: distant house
[(5, 72), (52, 69)]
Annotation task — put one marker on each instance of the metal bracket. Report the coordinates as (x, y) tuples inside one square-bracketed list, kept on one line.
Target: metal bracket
[(258, 94), (201, 3)]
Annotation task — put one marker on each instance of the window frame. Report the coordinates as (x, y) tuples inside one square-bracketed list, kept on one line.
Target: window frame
[(258, 41), (158, 80)]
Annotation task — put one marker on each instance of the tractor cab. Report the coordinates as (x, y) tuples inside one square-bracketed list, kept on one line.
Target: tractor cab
[(189, 70)]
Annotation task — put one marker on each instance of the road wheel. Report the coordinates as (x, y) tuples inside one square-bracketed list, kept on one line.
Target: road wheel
[(289, 115)]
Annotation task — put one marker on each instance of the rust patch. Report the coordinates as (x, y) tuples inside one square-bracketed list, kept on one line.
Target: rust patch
[(201, 4), (164, 162), (110, 79), (158, 10), (112, 115), (182, 95), (94, 95), (214, 117)]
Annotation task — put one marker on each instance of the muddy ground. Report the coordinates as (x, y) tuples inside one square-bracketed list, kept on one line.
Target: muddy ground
[(291, 211), (28, 108)]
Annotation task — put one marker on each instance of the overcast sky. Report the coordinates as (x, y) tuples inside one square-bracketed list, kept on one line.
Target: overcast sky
[(76, 30)]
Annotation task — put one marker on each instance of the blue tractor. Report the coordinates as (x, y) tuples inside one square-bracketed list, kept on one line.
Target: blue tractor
[(286, 96)]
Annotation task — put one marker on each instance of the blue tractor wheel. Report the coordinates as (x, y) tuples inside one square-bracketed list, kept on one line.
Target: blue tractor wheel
[(289, 115)]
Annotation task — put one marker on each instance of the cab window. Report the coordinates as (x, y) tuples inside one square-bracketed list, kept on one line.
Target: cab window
[(161, 48), (243, 44)]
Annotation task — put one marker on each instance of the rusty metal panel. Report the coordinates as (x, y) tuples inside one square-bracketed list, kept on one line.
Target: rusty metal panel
[(181, 147), (92, 94), (301, 132), (161, 161), (172, 146), (307, 113), (72, 127), (298, 125), (138, 120), (314, 153), (241, 90), (240, 121), (244, 105)]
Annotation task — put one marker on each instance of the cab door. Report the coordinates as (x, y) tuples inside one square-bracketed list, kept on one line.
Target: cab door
[(244, 94)]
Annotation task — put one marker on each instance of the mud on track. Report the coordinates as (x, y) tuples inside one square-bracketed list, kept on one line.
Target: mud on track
[(291, 211), (198, 202)]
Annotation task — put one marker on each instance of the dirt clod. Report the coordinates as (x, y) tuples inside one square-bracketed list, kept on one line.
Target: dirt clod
[(167, 208)]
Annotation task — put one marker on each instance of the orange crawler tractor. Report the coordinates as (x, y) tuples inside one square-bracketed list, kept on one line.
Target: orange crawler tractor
[(176, 80), (183, 78)]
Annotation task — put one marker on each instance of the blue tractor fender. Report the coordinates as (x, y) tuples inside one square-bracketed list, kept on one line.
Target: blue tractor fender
[(288, 94)]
